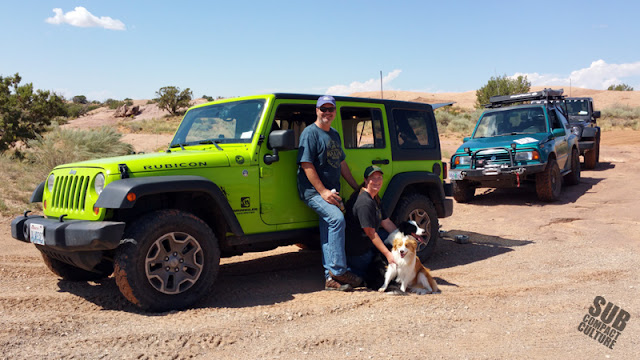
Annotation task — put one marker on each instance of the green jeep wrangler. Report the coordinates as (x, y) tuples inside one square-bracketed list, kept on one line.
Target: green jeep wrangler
[(512, 146), (226, 185)]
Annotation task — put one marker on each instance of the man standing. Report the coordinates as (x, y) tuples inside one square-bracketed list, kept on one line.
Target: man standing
[(321, 162)]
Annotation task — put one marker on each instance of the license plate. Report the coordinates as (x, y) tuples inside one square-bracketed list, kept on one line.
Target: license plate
[(455, 175), (36, 234)]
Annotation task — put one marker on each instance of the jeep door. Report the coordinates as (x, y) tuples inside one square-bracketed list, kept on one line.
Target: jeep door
[(279, 200), (365, 141)]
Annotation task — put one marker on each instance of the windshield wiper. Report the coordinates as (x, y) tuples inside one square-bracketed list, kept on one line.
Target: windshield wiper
[(175, 146), (215, 143)]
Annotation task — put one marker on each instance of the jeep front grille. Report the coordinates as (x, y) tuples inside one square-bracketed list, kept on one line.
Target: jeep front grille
[(70, 192)]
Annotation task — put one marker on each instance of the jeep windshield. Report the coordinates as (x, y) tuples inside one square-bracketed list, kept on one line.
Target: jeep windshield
[(230, 122), (577, 107), (511, 122)]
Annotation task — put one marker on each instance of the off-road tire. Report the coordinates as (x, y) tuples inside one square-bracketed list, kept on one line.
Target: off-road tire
[(573, 178), (463, 191), (419, 208), (549, 182), (73, 273), (591, 156), (164, 239)]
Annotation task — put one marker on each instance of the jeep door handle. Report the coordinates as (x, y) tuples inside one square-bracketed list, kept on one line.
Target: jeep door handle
[(384, 162)]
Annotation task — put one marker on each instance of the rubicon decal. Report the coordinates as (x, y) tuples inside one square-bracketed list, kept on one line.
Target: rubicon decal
[(176, 165)]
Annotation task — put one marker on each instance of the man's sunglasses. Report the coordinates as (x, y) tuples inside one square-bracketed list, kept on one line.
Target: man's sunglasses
[(329, 109)]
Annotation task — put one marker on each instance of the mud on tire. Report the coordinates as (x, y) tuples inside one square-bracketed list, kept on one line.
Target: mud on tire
[(419, 208), (169, 260), (72, 273), (549, 182)]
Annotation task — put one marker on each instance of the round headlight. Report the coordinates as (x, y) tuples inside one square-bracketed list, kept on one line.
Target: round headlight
[(576, 130), (98, 184), (50, 181)]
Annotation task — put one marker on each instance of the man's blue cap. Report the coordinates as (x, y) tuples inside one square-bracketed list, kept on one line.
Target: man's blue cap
[(325, 99)]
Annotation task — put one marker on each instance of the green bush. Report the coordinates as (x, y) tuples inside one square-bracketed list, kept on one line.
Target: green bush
[(501, 85), (61, 146), (113, 104), (167, 125), (620, 87)]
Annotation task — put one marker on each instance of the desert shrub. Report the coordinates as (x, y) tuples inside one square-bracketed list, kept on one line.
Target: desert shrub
[(620, 87), (113, 104), (25, 112), (170, 98), (79, 99), (166, 125), (620, 117), (61, 146), (501, 85), (457, 120), (17, 182)]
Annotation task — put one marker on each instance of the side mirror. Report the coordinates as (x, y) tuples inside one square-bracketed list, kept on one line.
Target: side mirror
[(279, 140), (466, 139), (559, 132), (596, 114)]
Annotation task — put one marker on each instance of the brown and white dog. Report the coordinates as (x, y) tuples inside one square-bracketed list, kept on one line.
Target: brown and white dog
[(408, 270)]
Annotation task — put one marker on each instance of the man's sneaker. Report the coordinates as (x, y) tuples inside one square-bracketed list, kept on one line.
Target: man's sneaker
[(331, 284), (348, 278)]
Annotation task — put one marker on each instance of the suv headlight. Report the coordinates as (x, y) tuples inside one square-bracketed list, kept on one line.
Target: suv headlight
[(462, 160), (576, 130), (50, 181), (98, 184), (527, 156)]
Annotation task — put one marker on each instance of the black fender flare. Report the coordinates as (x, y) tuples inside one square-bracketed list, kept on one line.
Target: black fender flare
[(36, 196), (400, 181), (114, 195)]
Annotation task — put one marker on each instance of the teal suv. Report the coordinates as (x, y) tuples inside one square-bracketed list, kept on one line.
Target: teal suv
[(518, 143)]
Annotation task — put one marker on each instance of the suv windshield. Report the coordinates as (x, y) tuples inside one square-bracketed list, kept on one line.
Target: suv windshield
[(232, 122), (577, 107), (511, 122)]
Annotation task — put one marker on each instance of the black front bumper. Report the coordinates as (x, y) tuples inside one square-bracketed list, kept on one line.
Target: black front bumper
[(71, 235), (495, 172)]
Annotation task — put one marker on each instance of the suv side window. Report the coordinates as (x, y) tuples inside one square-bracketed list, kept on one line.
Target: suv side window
[(412, 128), (555, 121), (294, 117), (362, 128)]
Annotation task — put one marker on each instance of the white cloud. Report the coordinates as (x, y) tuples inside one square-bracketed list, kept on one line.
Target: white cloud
[(369, 85), (81, 17), (599, 75)]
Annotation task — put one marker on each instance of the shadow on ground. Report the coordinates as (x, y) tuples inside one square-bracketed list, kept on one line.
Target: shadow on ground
[(278, 278)]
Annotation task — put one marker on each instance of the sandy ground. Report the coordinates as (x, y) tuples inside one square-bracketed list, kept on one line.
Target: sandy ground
[(519, 289)]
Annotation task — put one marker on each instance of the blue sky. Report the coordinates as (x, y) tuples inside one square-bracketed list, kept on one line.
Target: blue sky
[(129, 49)]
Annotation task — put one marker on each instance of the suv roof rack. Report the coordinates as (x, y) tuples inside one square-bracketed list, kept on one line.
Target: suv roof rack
[(546, 94)]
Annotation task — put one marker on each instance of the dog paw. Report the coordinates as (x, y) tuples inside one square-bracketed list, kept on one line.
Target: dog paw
[(382, 289)]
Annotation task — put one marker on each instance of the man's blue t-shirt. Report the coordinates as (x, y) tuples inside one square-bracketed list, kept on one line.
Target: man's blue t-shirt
[(323, 150)]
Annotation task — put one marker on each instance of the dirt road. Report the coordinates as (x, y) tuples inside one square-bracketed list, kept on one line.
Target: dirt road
[(520, 289)]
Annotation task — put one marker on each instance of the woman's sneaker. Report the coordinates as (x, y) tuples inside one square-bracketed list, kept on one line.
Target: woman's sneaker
[(331, 284)]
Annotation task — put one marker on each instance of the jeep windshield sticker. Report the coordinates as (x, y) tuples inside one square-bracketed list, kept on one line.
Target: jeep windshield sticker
[(246, 135), (525, 140), (174, 166)]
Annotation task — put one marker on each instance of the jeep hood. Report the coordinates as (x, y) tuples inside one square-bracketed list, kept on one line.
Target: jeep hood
[(164, 161), (521, 140)]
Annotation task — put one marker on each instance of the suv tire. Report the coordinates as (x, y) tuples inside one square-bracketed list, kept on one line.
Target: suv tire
[(73, 273), (573, 178), (420, 209), (549, 182), (161, 240), (463, 191)]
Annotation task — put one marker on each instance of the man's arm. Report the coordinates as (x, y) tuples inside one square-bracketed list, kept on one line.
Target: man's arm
[(346, 174), (314, 179)]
